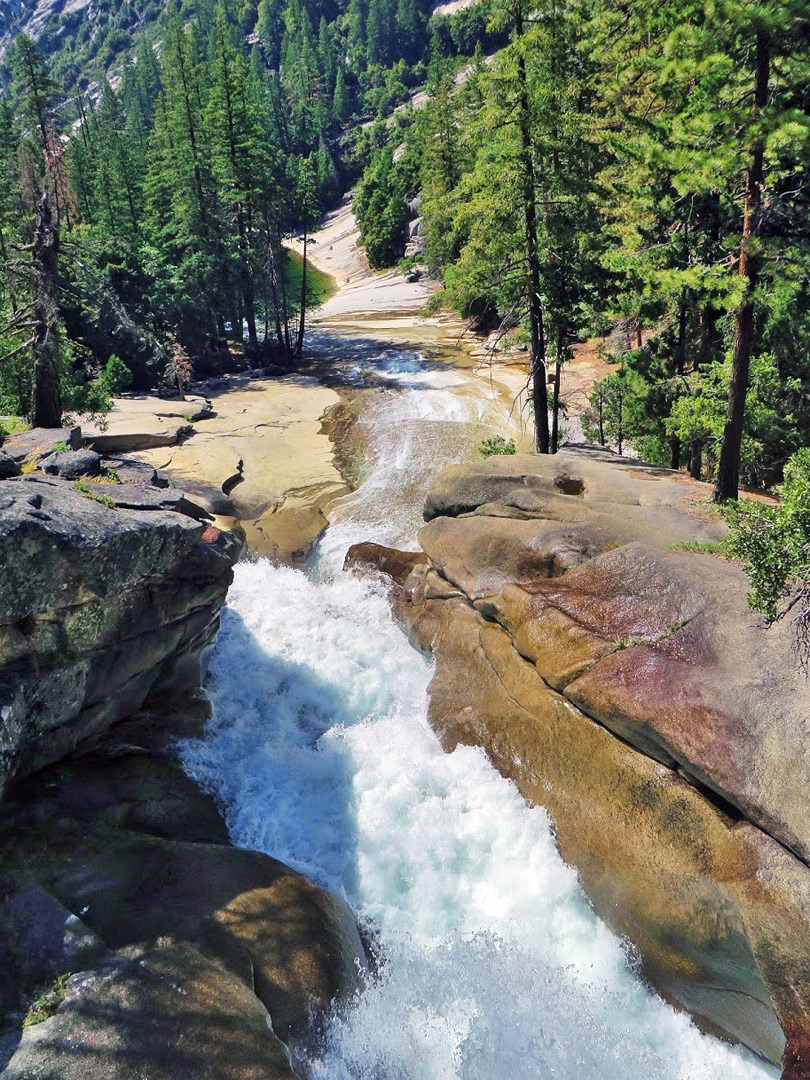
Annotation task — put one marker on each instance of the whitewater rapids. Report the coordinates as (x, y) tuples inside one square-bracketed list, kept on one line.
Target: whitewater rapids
[(494, 965)]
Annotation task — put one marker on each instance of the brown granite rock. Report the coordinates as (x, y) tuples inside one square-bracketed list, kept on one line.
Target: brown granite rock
[(614, 671), (374, 558), (164, 1013), (296, 944)]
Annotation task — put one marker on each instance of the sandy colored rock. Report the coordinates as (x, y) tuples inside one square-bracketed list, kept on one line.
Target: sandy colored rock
[(335, 250), (288, 529), (635, 695), (480, 555), (661, 864), (260, 456)]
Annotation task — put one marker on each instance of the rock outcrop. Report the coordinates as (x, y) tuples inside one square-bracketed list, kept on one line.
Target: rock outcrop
[(101, 604), (134, 940), (620, 680)]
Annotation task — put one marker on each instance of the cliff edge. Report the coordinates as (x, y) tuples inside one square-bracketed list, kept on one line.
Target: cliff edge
[(134, 939)]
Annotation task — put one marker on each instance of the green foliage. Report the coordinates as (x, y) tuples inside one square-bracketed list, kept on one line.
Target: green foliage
[(381, 210), (86, 492), (496, 445), (116, 376), (46, 1003), (774, 542)]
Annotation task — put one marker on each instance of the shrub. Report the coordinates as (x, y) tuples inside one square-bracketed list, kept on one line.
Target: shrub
[(774, 542), (116, 376), (496, 444)]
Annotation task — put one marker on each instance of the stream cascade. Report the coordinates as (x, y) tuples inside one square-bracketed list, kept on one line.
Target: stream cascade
[(489, 961)]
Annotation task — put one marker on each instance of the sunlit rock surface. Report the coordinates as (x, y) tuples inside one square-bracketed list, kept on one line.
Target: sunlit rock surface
[(622, 682)]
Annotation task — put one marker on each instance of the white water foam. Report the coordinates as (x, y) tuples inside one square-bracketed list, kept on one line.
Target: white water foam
[(495, 966)]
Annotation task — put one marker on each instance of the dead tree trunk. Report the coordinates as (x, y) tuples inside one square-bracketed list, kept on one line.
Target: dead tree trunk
[(47, 398), (555, 407), (299, 345)]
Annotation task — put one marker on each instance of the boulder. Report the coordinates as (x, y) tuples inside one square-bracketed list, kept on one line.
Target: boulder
[(47, 938), (127, 442), (35, 443), (374, 558), (621, 681), (8, 466), (130, 471), (71, 464), (294, 944), (482, 554), (99, 607), (163, 1013)]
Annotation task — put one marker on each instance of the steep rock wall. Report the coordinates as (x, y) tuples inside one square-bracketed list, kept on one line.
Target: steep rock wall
[(100, 606)]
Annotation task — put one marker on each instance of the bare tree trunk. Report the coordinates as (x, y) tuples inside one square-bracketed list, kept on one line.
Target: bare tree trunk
[(555, 408), (675, 442), (728, 470), (601, 418), (299, 345), (696, 460), (538, 362), (47, 403)]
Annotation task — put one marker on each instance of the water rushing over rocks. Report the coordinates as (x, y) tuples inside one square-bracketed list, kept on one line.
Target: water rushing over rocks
[(492, 961)]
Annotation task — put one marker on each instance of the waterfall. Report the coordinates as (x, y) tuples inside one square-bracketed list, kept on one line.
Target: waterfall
[(493, 965)]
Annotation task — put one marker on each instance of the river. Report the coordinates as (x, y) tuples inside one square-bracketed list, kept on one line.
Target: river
[(493, 965)]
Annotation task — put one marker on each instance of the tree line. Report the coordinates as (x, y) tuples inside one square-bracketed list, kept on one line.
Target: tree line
[(642, 169), (148, 211)]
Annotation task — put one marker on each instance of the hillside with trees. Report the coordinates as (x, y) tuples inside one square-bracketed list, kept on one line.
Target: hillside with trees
[(642, 168), (582, 167)]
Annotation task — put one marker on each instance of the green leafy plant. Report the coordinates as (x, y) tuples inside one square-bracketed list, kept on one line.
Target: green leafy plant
[(107, 475), (774, 542), (47, 1003), (84, 490), (497, 445), (11, 425), (116, 376)]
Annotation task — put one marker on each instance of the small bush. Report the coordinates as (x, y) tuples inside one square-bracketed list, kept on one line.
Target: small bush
[(116, 376), (85, 491), (47, 1003), (496, 444)]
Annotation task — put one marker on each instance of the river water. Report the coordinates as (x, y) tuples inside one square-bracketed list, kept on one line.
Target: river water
[(495, 966)]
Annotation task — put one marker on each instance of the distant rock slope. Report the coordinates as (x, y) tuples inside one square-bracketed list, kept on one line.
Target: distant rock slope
[(620, 680)]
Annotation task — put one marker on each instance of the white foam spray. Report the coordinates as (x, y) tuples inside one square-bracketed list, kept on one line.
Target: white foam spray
[(496, 968)]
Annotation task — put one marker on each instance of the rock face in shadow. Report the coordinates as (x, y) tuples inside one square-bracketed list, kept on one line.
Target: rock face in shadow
[(620, 680), (155, 948), (100, 605), (116, 866), (166, 1013)]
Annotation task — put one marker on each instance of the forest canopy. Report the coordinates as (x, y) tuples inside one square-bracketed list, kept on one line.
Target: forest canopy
[(579, 168)]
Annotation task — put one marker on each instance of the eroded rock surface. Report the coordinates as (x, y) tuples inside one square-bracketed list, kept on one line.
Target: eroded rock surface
[(621, 681)]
